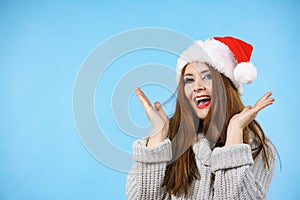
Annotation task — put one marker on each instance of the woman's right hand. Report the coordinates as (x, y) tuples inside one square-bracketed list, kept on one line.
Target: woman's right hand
[(157, 117)]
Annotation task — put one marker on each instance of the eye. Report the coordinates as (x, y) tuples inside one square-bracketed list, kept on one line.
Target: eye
[(207, 76), (188, 80)]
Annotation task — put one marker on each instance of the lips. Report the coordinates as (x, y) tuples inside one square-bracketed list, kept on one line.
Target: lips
[(202, 101)]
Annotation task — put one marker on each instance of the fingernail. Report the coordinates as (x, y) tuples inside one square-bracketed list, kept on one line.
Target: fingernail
[(157, 105)]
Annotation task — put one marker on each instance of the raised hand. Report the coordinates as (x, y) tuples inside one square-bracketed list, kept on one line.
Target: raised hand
[(239, 121), (157, 117)]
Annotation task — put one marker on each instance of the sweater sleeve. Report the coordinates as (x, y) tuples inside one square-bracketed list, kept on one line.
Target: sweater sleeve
[(238, 176), (147, 173)]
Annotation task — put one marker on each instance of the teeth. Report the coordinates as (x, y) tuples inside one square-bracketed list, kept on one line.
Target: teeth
[(201, 98)]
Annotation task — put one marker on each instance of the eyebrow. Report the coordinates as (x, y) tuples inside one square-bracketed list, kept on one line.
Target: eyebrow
[(193, 74)]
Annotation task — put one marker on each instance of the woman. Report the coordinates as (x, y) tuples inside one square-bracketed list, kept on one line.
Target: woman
[(212, 147)]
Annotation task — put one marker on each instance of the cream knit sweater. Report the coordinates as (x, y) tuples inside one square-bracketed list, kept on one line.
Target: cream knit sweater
[(237, 175)]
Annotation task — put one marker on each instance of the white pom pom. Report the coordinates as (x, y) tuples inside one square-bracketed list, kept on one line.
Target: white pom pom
[(245, 73)]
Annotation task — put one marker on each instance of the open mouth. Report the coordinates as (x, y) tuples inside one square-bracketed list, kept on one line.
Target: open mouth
[(202, 101)]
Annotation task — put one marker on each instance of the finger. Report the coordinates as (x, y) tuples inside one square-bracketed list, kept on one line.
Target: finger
[(265, 97), (143, 98), (263, 105), (246, 109), (145, 103), (263, 102), (161, 111)]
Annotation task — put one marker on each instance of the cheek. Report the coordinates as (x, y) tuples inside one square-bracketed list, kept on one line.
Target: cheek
[(188, 91), (209, 85)]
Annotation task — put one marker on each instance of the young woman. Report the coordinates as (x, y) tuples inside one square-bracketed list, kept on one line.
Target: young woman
[(212, 147)]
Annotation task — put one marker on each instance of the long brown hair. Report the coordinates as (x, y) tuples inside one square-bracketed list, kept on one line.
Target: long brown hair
[(184, 126)]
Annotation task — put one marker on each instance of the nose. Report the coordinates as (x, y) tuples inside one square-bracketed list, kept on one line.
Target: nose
[(199, 87)]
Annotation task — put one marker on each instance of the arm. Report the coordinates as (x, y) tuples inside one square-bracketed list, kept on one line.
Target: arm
[(147, 173), (238, 176)]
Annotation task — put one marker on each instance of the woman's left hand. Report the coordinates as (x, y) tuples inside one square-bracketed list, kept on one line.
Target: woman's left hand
[(239, 121)]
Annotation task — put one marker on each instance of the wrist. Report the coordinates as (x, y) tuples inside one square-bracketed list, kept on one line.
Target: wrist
[(234, 136), (156, 137), (154, 140)]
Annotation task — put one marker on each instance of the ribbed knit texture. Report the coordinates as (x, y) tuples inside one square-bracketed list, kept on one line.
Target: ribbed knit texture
[(237, 175)]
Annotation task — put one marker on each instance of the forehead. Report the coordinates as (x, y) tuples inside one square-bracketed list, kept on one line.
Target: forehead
[(195, 68)]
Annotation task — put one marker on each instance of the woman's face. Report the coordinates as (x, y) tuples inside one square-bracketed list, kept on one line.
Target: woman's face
[(198, 87)]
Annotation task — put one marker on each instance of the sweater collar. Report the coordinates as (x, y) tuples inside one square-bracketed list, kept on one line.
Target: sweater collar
[(202, 149)]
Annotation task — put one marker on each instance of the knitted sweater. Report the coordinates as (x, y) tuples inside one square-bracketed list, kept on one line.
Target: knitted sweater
[(237, 175)]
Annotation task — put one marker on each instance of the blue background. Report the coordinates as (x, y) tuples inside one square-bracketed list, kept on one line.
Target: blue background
[(43, 45)]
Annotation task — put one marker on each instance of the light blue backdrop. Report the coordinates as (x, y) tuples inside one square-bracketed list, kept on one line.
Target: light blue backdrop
[(43, 45)]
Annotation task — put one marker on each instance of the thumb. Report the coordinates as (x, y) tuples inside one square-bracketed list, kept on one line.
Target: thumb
[(246, 109), (161, 111), (157, 105)]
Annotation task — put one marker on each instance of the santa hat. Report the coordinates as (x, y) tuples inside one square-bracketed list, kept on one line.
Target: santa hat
[(228, 55)]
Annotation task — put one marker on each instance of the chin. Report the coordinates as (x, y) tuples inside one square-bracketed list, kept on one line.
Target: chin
[(202, 114)]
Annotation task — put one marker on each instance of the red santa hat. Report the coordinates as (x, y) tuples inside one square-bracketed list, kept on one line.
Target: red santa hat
[(228, 55)]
